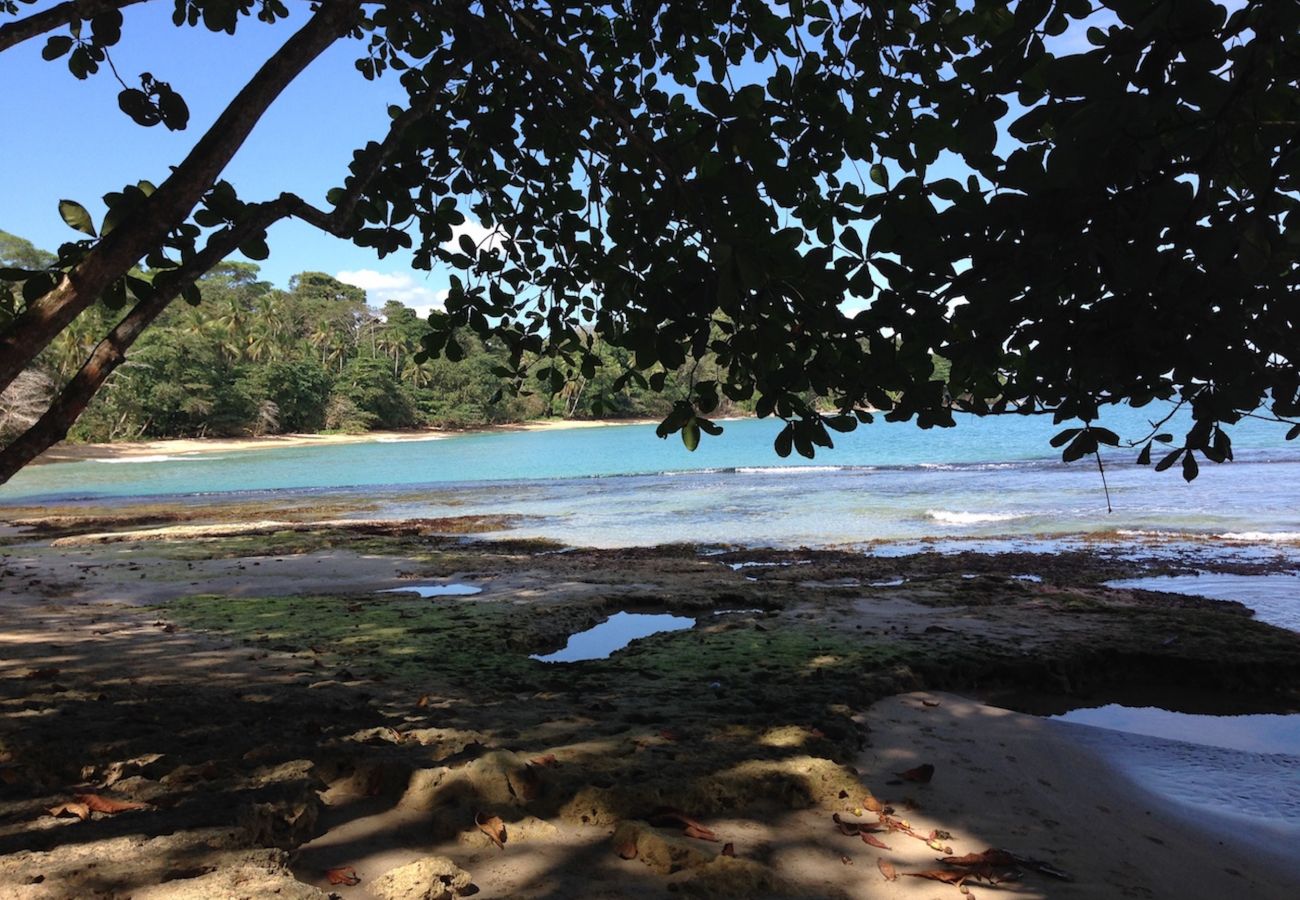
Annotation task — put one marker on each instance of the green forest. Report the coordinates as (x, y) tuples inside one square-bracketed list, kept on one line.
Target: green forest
[(252, 359)]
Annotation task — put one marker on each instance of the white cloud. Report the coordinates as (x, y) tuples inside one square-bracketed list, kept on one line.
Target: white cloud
[(380, 287)]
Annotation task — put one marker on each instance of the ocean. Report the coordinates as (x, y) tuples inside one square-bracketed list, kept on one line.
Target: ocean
[(986, 484)]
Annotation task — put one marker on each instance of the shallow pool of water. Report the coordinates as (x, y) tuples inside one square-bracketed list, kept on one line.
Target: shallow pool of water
[(1275, 598), (1252, 733), (614, 634), (1240, 767), (437, 590)]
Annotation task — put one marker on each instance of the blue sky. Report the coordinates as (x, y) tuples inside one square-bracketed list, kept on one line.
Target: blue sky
[(67, 138)]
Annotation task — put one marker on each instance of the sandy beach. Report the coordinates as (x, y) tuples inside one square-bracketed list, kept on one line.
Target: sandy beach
[(274, 717), (72, 452)]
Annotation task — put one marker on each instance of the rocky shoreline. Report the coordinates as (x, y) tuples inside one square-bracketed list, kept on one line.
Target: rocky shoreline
[(279, 718)]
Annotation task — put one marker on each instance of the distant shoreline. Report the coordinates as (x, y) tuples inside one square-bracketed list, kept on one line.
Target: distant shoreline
[(66, 452)]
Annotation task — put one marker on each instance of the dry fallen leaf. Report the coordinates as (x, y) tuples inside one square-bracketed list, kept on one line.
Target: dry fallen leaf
[(107, 805), (947, 876), (667, 816), (921, 774), (80, 810), (343, 875), (423, 701), (887, 869), (728, 849), (991, 857), (846, 860), (852, 829), (42, 673), (872, 804), (493, 827), (874, 841), (700, 833), (930, 703), (545, 761)]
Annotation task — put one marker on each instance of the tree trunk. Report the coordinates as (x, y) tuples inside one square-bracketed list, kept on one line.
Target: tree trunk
[(174, 200), (109, 353)]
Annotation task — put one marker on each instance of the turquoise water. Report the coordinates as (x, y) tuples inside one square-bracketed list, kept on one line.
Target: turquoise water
[(620, 485)]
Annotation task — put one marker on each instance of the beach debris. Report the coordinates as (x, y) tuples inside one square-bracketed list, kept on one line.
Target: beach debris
[(80, 810), (493, 827), (846, 861), (853, 829), (663, 852), (544, 761), (345, 875), (887, 870), (920, 775), (1006, 863), (108, 805), (666, 816), (930, 703), (43, 674), (423, 702), (947, 876), (728, 849), (871, 804), (990, 857)]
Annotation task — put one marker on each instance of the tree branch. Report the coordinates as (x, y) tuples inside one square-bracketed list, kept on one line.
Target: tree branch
[(169, 206), (109, 353), (336, 221), (49, 19)]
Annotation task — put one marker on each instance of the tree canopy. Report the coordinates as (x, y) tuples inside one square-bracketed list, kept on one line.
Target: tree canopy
[(1069, 204)]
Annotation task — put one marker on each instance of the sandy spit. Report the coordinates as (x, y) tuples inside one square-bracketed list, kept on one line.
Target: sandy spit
[(66, 452)]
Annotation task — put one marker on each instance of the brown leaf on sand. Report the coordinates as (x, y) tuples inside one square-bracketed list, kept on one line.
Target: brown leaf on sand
[(853, 829), (991, 857), (921, 774), (44, 673), (872, 841), (728, 849), (666, 816), (930, 703), (423, 702), (947, 876), (846, 861), (887, 870), (700, 833), (80, 810), (545, 761), (493, 827), (107, 805), (871, 804), (343, 875)]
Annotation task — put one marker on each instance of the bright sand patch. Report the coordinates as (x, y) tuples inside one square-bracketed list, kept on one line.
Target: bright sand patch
[(188, 446), (1022, 783)]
